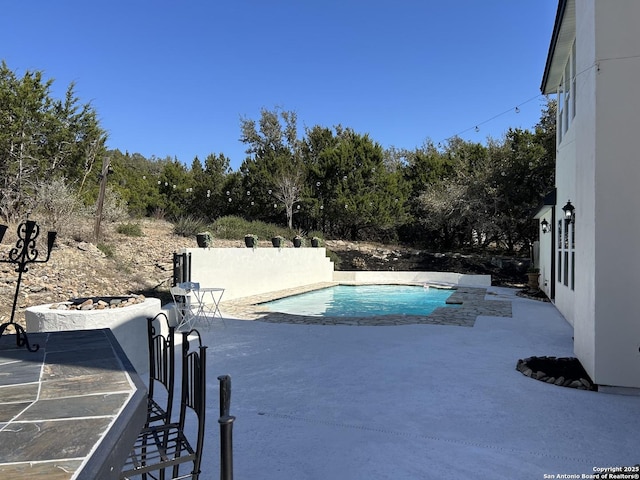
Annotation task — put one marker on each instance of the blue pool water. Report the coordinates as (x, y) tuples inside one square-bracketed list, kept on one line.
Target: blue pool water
[(363, 301)]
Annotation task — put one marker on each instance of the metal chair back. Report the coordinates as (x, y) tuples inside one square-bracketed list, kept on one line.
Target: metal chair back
[(188, 286), (161, 369), (194, 388), (166, 446)]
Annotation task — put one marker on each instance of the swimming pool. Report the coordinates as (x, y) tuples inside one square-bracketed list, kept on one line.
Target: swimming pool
[(363, 301)]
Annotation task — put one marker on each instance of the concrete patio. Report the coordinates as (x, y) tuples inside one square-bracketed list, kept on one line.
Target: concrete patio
[(416, 401)]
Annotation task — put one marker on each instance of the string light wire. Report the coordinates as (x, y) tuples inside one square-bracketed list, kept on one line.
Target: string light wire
[(476, 127), (596, 64)]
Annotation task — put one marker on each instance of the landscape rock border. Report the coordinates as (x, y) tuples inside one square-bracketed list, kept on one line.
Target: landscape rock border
[(560, 371), (99, 303)]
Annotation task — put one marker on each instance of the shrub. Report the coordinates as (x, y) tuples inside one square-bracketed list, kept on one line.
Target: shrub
[(189, 226), (58, 204), (266, 230), (231, 228), (83, 232), (114, 207), (235, 228), (130, 229), (334, 258)]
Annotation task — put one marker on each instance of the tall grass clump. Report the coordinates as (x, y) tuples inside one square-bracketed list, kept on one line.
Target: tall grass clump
[(130, 229), (189, 226), (108, 250)]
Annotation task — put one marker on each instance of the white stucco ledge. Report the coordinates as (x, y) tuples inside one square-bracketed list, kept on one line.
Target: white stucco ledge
[(128, 324), (429, 278)]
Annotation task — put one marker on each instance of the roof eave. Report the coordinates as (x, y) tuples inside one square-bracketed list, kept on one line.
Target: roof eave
[(562, 5)]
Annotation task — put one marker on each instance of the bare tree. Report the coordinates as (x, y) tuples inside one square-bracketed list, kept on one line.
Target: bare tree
[(288, 189)]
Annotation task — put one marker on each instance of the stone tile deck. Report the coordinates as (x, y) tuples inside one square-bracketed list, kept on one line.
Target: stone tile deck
[(72, 409), (470, 303)]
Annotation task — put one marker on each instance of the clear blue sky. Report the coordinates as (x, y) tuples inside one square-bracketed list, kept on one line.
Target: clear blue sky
[(174, 78)]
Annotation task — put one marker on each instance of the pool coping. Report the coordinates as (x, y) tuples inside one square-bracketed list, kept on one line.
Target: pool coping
[(471, 302)]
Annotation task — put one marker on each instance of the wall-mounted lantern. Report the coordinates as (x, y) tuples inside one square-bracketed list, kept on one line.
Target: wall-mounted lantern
[(545, 225), (569, 212)]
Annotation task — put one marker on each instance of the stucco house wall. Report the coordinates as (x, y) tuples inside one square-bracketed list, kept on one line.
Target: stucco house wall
[(598, 168), (617, 177)]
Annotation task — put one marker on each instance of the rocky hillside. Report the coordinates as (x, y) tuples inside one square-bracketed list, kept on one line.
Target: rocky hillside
[(507, 271), (143, 265), (78, 268)]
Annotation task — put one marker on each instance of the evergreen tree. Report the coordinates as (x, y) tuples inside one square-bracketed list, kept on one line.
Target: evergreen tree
[(208, 198), (273, 173), (42, 138), (359, 193)]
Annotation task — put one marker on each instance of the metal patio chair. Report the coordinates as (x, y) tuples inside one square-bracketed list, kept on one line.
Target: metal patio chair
[(185, 303), (161, 370), (159, 448)]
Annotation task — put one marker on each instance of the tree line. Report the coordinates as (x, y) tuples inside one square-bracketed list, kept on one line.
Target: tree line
[(330, 179)]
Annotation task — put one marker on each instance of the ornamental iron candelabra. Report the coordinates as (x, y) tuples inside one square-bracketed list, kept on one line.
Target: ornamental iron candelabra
[(23, 254)]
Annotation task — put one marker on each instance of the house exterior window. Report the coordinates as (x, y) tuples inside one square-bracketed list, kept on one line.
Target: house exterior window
[(566, 254), (573, 257), (560, 250), (566, 95), (573, 80)]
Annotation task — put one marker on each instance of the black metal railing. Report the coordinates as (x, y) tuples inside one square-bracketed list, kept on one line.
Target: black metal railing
[(181, 268), (226, 429)]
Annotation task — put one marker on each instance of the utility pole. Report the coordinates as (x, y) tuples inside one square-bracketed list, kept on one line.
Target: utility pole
[(106, 169)]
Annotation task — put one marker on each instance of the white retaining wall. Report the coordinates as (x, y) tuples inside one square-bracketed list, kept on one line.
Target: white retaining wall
[(245, 271), (252, 271), (447, 278)]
